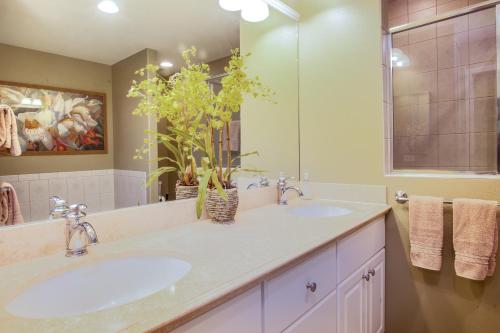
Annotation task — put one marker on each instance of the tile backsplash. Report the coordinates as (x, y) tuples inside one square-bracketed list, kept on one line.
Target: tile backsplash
[(101, 190)]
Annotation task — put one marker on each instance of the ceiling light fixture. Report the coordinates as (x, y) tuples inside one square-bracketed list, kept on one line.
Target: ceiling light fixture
[(254, 10), (108, 6), (166, 64), (231, 5)]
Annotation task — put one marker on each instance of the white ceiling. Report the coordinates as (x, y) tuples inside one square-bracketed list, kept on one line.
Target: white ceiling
[(76, 28)]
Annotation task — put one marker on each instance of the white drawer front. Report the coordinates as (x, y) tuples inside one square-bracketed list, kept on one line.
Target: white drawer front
[(286, 297), (320, 319), (355, 249), (242, 314)]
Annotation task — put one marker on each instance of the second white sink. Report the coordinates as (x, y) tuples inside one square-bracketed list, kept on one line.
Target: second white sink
[(98, 286), (319, 210)]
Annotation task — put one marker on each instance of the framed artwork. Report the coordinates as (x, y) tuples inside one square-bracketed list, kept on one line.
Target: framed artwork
[(57, 121)]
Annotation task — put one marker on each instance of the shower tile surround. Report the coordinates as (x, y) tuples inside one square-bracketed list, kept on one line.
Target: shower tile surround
[(442, 115), (101, 190)]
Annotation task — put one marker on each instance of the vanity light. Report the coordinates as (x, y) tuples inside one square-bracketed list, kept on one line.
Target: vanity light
[(108, 7), (254, 10), (399, 64), (231, 5), (166, 64)]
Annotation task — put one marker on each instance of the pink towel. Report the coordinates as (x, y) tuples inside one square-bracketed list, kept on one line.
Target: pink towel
[(426, 232), (9, 205), (475, 237), (8, 131), (3, 127), (4, 208)]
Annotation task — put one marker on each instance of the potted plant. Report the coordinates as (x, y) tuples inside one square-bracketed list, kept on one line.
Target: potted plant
[(181, 100), (216, 188), (198, 119)]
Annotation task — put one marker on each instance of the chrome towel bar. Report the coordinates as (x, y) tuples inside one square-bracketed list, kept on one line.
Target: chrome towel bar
[(402, 198)]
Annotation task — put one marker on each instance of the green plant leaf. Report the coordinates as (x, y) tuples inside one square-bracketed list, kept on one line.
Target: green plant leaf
[(157, 173), (202, 193), (218, 186)]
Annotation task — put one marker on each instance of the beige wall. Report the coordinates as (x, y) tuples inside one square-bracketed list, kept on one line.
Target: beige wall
[(342, 141), (130, 129), (29, 66), (272, 129)]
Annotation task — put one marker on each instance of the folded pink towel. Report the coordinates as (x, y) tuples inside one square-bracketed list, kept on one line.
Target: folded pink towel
[(475, 237), (4, 208), (3, 127), (492, 263), (426, 232), (8, 131), (9, 205)]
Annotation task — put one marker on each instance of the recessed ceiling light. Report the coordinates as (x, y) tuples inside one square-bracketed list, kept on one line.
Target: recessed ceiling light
[(166, 64), (108, 7), (231, 5), (254, 10)]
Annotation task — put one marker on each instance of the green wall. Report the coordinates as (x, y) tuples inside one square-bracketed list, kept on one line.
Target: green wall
[(341, 112), (272, 128)]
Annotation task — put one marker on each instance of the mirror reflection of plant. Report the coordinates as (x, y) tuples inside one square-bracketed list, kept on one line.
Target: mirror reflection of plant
[(197, 117), (181, 100), (235, 86)]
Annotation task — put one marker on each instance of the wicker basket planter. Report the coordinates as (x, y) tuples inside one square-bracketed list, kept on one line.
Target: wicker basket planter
[(220, 210), (185, 192)]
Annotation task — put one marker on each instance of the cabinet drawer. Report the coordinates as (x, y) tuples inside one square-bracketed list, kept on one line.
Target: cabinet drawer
[(322, 318), (286, 297), (355, 249), (242, 314)]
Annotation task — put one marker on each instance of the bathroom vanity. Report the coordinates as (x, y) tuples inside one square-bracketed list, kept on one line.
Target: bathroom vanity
[(310, 266), (338, 288)]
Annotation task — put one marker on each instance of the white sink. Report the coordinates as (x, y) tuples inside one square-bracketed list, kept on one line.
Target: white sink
[(319, 210), (98, 286)]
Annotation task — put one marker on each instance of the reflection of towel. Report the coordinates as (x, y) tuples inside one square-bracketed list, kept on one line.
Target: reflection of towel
[(4, 208), (8, 131), (234, 135), (10, 211), (474, 235), (426, 232), (3, 127)]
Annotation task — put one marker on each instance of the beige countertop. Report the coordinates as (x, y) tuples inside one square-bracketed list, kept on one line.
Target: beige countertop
[(226, 261)]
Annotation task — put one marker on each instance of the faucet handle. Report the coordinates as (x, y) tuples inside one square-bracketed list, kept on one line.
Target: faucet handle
[(60, 207), (58, 201), (283, 179), (77, 211), (264, 182)]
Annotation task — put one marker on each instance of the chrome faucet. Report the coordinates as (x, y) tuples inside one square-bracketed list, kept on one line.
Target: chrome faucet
[(79, 234), (263, 182), (283, 189)]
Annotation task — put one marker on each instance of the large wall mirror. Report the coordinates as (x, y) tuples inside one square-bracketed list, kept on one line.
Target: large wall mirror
[(66, 68)]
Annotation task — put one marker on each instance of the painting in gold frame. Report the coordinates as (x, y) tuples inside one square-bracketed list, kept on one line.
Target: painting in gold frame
[(57, 121)]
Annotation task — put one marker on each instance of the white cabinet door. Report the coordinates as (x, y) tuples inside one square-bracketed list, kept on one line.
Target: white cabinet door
[(320, 319), (376, 293), (351, 297)]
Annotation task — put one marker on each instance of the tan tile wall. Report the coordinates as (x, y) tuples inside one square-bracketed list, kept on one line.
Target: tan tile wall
[(443, 105)]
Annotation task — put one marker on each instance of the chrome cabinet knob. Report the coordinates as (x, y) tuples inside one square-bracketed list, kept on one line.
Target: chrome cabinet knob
[(372, 272), (311, 286), (366, 277)]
